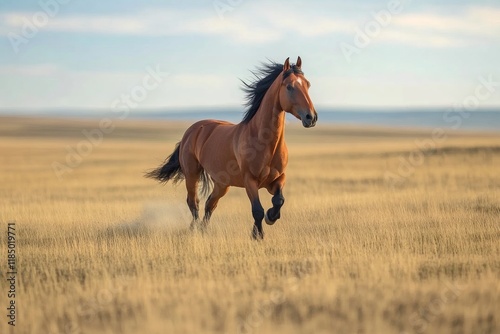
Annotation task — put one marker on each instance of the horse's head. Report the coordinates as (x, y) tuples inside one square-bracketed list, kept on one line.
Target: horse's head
[(294, 94)]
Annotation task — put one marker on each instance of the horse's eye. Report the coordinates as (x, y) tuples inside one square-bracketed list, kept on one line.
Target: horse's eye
[(289, 87)]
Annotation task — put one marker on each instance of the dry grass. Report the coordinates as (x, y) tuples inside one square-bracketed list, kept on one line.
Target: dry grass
[(107, 251)]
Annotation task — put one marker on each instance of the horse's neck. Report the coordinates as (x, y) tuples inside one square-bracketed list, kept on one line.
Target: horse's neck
[(268, 124)]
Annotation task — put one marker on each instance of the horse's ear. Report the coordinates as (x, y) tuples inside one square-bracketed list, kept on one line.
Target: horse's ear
[(299, 62), (286, 66)]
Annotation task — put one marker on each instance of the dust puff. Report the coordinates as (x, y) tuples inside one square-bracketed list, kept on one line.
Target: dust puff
[(155, 217)]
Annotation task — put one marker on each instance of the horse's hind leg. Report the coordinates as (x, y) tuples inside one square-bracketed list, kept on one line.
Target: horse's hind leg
[(192, 198), (276, 189), (192, 170), (212, 200)]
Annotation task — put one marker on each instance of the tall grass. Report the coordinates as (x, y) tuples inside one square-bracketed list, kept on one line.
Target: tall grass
[(106, 251)]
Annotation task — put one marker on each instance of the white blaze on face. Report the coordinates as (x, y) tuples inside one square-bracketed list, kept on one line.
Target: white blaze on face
[(299, 81)]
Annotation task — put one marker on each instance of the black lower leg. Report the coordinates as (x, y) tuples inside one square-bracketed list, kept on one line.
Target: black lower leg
[(258, 216), (193, 207), (194, 212), (278, 200), (208, 209)]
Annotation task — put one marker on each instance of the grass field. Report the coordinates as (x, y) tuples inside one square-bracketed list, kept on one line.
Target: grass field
[(368, 242)]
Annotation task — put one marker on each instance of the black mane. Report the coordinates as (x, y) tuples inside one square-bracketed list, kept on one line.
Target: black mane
[(264, 78)]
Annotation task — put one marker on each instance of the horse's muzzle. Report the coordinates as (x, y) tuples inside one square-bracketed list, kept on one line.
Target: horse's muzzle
[(308, 120)]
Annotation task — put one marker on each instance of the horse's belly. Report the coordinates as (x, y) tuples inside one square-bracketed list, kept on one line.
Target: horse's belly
[(223, 167), (229, 174), (232, 176)]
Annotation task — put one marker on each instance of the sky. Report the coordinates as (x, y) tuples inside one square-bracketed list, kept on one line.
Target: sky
[(75, 54)]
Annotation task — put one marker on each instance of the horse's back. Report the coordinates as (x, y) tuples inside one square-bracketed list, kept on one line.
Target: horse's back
[(203, 129), (206, 126), (210, 134), (210, 123)]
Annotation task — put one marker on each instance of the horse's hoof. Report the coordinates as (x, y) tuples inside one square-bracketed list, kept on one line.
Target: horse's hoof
[(256, 235), (268, 220)]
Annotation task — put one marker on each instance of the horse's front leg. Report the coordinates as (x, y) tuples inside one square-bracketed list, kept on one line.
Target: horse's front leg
[(252, 189), (275, 189)]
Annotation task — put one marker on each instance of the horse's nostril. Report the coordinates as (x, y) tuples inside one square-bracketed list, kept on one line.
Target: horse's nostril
[(308, 117)]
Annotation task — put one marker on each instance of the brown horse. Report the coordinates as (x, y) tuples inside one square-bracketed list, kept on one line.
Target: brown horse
[(251, 154)]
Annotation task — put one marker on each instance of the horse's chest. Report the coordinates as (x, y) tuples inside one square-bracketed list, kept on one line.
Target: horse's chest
[(269, 174), (270, 168)]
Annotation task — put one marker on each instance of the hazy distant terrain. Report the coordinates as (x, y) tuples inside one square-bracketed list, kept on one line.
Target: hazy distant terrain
[(382, 231), (423, 118)]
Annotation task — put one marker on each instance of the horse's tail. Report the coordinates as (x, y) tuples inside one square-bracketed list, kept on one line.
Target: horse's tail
[(170, 170), (206, 184)]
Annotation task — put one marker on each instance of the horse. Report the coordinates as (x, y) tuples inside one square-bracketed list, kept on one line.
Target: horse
[(251, 154)]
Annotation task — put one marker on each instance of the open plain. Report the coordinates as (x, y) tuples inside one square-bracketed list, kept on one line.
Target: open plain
[(382, 231)]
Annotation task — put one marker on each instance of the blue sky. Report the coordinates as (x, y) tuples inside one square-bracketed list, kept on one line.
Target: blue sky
[(88, 53)]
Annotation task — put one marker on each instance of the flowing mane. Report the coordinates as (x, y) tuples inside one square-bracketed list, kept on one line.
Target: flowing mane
[(264, 78)]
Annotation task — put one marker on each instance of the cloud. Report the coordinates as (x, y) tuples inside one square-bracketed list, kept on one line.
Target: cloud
[(37, 70), (239, 31), (251, 25), (147, 23), (443, 30), (475, 20), (422, 29)]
